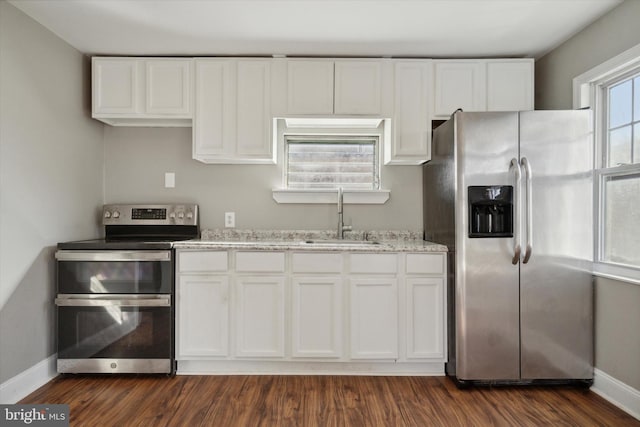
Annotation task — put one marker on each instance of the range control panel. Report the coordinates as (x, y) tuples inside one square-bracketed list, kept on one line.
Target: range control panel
[(178, 214)]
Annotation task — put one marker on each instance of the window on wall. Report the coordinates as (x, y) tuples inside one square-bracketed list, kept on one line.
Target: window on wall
[(618, 174), (319, 155), (339, 161)]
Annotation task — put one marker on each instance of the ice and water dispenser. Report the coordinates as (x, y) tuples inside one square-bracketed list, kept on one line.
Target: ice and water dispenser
[(491, 211)]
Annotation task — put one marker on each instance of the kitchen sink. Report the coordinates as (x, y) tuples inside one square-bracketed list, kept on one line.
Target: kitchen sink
[(337, 242)]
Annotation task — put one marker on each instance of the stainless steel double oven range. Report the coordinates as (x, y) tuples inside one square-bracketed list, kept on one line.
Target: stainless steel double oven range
[(115, 296)]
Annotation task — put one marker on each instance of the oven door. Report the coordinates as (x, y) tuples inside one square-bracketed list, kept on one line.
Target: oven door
[(114, 333), (114, 272)]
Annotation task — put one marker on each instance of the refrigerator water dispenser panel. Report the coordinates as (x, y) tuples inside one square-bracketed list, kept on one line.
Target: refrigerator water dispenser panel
[(490, 211)]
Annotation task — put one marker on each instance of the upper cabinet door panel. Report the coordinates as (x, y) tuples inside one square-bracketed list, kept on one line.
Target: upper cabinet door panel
[(459, 84), (310, 87), (115, 86), (213, 120), (253, 109), (510, 85), (358, 87), (412, 114), (168, 86)]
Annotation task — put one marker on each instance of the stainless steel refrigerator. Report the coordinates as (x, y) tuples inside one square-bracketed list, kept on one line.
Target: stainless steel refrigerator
[(510, 195)]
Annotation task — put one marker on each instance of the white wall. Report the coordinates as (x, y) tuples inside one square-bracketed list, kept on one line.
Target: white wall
[(617, 311), (51, 161), (137, 158)]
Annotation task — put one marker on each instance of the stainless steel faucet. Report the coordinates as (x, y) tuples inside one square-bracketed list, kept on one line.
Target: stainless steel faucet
[(341, 227)]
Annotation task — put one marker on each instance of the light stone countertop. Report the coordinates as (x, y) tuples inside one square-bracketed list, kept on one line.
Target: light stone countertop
[(270, 240)]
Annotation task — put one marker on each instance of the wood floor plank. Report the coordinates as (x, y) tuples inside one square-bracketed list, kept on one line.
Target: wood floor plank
[(323, 401)]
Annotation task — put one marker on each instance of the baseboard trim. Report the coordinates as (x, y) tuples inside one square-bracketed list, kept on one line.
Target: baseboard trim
[(615, 391), (28, 381), (245, 367)]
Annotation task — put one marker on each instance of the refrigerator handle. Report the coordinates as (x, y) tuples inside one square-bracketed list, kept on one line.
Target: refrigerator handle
[(516, 222), (529, 223)]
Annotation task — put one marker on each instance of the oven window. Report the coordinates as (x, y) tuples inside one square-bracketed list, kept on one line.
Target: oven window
[(114, 277), (114, 332)]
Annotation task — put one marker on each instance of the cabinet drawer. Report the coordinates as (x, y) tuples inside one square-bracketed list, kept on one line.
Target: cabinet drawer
[(425, 264), (202, 261), (374, 263), (317, 263), (263, 262)]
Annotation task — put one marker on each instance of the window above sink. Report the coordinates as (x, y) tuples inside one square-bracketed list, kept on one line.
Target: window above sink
[(321, 155)]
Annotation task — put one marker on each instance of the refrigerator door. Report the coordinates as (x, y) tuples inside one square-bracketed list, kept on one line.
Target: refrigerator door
[(556, 284), (486, 288)]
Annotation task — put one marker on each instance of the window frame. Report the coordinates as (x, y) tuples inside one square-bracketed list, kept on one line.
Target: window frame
[(591, 90), (282, 194), (296, 137)]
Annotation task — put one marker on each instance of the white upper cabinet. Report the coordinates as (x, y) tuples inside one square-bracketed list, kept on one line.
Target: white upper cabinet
[(358, 87), (142, 91), (334, 87), (459, 84), (483, 85), (411, 142), (310, 87), (510, 85), (168, 87), (232, 119)]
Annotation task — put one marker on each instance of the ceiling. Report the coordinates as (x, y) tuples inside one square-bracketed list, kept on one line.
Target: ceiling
[(398, 28)]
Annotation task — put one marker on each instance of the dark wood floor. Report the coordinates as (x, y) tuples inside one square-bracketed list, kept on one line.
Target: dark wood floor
[(319, 401)]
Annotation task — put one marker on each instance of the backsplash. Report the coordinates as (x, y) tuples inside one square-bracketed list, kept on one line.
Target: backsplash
[(232, 234)]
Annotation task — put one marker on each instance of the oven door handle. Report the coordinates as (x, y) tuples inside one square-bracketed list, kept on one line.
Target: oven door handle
[(113, 255), (161, 301)]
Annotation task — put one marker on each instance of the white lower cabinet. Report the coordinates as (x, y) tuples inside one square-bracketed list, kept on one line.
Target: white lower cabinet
[(259, 316), (374, 318), (310, 311), (316, 317), (203, 316), (425, 318)]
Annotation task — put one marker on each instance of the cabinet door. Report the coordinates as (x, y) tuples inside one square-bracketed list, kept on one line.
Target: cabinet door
[(358, 87), (310, 87), (115, 86), (253, 119), (260, 317), (374, 318), (510, 85), (214, 118), (317, 317), (425, 318), (168, 88), (202, 316), (411, 142), (459, 84)]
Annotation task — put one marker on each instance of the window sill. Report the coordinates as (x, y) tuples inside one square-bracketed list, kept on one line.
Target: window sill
[(329, 196), (617, 272)]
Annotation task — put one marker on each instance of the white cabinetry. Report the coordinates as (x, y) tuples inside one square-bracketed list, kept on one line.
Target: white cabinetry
[(483, 85), (459, 84), (309, 87), (316, 305), (202, 294), (340, 87), (374, 306), (374, 318), (306, 311), (260, 317), (260, 304), (424, 306), (232, 118), (142, 91), (411, 143), (510, 85)]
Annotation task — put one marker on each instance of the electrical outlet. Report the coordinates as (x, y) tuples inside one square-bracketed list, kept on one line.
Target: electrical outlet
[(229, 219)]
